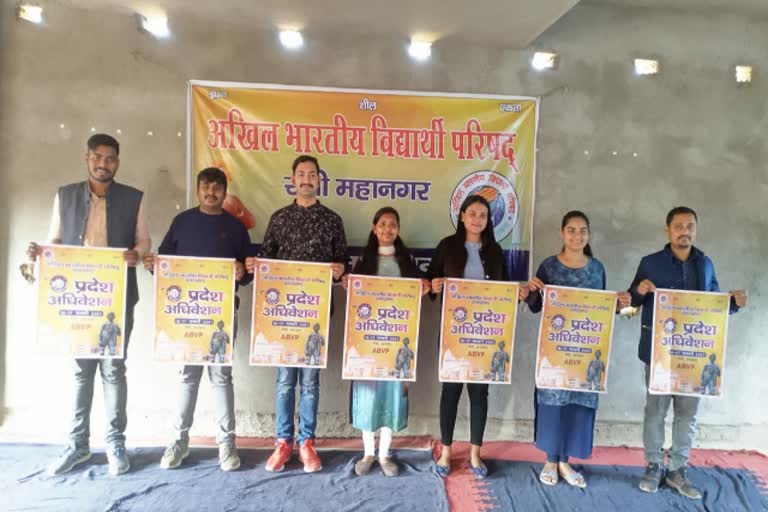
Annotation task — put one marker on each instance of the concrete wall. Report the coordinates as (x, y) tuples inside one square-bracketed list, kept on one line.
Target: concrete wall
[(697, 136)]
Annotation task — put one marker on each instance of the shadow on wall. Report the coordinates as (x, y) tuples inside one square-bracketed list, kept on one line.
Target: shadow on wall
[(5, 269)]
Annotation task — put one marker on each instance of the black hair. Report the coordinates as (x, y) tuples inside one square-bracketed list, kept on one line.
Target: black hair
[(680, 210), (487, 237), (369, 261), (102, 139), (576, 214), (212, 175), (304, 158)]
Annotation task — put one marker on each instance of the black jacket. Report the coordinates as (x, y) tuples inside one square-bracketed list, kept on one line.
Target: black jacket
[(450, 258)]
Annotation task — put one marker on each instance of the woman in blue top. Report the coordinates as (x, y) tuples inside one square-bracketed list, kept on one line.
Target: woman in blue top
[(565, 420), (382, 405)]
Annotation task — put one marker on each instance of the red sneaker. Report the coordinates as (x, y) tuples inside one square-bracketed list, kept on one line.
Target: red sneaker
[(280, 456), (308, 456)]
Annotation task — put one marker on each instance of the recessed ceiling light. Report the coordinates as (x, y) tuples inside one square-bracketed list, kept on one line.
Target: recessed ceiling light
[(155, 24), (291, 39), (646, 66), (743, 74), (30, 13), (420, 50), (544, 60)]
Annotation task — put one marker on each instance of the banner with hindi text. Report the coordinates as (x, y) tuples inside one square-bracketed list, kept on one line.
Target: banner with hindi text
[(422, 153)]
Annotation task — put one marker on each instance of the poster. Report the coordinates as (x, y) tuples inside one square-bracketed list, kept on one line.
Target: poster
[(688, 343), (291, 313), (382, 328), (574, 348), (194, 310), (477, 331), (81, 301)]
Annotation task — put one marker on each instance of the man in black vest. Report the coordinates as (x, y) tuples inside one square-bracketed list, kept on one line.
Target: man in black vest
[(100, 213)]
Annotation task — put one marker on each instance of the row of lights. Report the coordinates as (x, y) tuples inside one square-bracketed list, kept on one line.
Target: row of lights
[(157, 25), (419, 50), (542, 61), (119, 131)]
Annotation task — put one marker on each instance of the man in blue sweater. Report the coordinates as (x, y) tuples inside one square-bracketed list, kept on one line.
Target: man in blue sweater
[(679, 266), (207, 231)]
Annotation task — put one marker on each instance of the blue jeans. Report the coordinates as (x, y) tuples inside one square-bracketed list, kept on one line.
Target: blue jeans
[(285, 402), (683, 427), (115, 389)]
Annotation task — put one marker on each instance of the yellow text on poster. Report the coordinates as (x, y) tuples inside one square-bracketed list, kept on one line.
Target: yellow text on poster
[(575, 332), (194, 310), (382, 328), (477, 331), (81, 301), (688, 343), (291, 313)]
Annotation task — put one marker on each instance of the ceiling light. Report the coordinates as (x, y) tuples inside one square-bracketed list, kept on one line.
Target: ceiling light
[(155, 24), (743, 74), (646, 66), (544, 60), (291, 39), (420, 50), (30, 13)]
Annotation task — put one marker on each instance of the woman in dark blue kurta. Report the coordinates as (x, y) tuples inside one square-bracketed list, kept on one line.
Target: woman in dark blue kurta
[(565, 420)]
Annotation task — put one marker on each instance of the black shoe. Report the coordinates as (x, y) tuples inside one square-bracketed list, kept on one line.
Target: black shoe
[(676, 480), (651, 478)]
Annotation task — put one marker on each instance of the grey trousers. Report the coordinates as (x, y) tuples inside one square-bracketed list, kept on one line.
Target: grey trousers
[(115, 388), (223, 397), (683, 426)]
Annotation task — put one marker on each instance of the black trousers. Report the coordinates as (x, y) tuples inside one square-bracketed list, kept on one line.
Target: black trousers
[(478, 411)]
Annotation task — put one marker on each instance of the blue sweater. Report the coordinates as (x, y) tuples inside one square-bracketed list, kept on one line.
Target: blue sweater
[(194, 233), (664, 270)]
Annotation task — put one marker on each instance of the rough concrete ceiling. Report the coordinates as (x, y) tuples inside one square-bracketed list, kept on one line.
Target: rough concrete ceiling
[(497, 23), (753, 7), (511, 24)]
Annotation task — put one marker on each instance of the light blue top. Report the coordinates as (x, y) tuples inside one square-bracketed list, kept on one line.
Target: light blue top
[(474, 267)]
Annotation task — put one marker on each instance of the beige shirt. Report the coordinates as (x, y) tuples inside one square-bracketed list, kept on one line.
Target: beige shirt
[(96, 225)]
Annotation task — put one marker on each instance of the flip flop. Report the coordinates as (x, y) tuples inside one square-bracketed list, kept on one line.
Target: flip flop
[(548, 476), (480, 472), (442, 471), (575, 479)]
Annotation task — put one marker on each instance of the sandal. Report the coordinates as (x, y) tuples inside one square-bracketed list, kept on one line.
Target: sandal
[(364, 465), (442, 471), (388, 466), (548, 476), (480, 472), (574, 479)]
